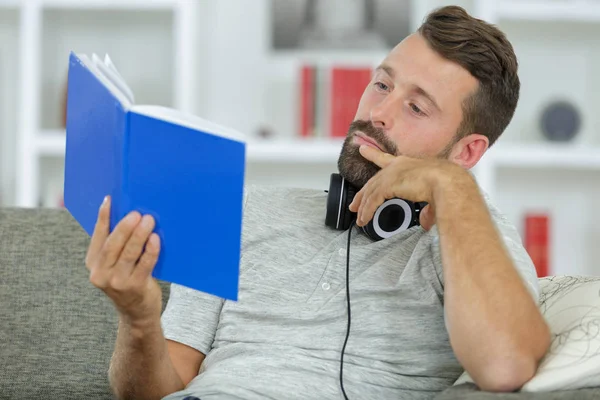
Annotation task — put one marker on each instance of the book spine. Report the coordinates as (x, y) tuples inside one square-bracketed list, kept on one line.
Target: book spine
[(347, 88), (119, 195), (337, 98), (307, 101), (537, 241)]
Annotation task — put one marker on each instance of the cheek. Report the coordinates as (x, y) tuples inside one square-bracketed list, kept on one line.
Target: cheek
[(416, 136)]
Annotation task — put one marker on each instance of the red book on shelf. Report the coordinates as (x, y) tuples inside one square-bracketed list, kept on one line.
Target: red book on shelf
[(307, 101), (537, 243), (347, 87)]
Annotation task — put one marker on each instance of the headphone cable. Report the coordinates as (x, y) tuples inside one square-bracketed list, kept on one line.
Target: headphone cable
[(349, 314)]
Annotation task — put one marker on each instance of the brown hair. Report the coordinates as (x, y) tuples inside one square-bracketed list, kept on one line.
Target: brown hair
[(483, 50)]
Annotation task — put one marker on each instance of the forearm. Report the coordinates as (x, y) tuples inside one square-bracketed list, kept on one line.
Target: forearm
[(141, 367), (495, 327)]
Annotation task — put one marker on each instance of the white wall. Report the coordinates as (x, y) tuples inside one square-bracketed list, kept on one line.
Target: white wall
[(9, 69)]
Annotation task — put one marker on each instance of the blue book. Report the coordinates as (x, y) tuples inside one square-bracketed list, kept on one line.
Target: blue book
[(185, 171)]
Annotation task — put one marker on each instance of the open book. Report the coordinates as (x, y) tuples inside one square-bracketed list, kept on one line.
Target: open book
[(184, 170)]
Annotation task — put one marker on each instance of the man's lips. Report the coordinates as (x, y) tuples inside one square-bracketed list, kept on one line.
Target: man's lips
[(362, 139)]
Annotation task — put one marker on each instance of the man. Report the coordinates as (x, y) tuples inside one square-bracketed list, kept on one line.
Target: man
[(457, 292)]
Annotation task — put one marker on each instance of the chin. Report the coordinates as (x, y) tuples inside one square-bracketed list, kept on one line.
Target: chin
[(354, 167)]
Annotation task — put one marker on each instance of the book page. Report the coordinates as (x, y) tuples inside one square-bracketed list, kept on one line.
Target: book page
[(114, 89), (110, 71), (188, 120)]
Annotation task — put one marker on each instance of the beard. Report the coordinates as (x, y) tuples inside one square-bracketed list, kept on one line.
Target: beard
[(356, 169), (351, 164)]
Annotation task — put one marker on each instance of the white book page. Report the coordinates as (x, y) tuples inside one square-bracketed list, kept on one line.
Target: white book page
[(113, 75), (110, 77), (188, 120), (114, 89)]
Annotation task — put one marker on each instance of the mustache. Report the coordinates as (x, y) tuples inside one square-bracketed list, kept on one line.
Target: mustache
[(368, 129)]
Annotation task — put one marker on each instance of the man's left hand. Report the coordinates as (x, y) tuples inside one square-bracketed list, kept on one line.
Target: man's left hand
[(412, 179)]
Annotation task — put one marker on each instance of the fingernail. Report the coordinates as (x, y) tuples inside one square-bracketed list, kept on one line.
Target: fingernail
[(104, 201)]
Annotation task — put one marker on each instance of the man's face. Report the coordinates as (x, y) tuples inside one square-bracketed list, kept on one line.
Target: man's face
[(412, 106)]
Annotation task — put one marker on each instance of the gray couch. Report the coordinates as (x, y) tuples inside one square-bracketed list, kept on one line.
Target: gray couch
[(57, 331)]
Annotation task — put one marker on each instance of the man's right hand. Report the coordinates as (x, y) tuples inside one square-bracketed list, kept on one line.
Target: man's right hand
[(121, 264)]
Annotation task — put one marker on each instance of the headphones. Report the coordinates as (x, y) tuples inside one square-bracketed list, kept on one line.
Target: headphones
[(392, 217)]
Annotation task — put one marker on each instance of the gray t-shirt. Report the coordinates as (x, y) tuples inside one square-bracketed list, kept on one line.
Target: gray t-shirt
[(282, 338)]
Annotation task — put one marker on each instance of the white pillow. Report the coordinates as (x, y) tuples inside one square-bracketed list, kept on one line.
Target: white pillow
[(571, 306)]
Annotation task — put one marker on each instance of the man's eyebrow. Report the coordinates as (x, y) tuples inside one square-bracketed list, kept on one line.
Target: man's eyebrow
[(387, 69), (417, 89)]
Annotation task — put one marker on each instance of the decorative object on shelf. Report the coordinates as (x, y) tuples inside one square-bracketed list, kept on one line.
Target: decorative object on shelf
[(339, 24), (265, 132), (342, 91), (537, 243), (560, 121), (308, 100), (347, 87)]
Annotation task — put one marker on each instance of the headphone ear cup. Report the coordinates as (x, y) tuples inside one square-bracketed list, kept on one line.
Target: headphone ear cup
[(339, 197), (369, 230), (348, 215)]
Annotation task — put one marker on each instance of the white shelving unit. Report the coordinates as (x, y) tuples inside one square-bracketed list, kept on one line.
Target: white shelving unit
[(570, 10), (558, 52), (554, 40), (34, 142), (9, 33)]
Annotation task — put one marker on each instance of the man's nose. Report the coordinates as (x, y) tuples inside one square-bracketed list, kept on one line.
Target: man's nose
[(382, 114)]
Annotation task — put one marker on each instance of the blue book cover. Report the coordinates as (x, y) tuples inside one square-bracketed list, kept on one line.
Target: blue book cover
[(185, 171)]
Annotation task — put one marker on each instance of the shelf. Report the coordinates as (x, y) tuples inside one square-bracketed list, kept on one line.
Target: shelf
[(295, 150), (330, 57), (111, 4), (543, 10), (546, 155), (52, 143), (313, 151)]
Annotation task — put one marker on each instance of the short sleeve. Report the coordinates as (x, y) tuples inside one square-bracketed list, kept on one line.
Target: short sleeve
[(191, 317), (514, 244)]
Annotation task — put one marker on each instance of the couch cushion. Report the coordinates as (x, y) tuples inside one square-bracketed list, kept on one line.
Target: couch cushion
[(571, 307), (468, 391), (57, 329)]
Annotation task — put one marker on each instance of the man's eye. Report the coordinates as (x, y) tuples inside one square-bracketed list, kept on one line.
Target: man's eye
[(382, 86), (416, 108)]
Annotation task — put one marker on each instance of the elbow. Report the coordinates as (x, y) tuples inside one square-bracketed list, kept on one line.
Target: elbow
[(507, 376), (511, 373)]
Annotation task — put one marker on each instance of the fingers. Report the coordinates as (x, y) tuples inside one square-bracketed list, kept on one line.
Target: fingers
[(371, 200), (379, 158), (148, 260), (356, 201), (132, 250), (427, 217), (101, 232), (115, 243)]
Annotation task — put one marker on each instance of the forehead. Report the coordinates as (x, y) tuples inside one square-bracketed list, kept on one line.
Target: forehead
[(415, 63)]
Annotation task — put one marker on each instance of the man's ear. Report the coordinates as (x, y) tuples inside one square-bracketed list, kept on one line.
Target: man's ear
[(468, 151)]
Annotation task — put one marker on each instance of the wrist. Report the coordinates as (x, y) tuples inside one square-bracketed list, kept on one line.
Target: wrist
[(139, 327), (452, 183)]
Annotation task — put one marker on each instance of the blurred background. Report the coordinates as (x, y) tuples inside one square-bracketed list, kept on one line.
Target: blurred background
[(288, 74)]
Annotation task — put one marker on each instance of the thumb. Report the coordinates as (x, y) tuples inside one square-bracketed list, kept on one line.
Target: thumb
[(427, 217)]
